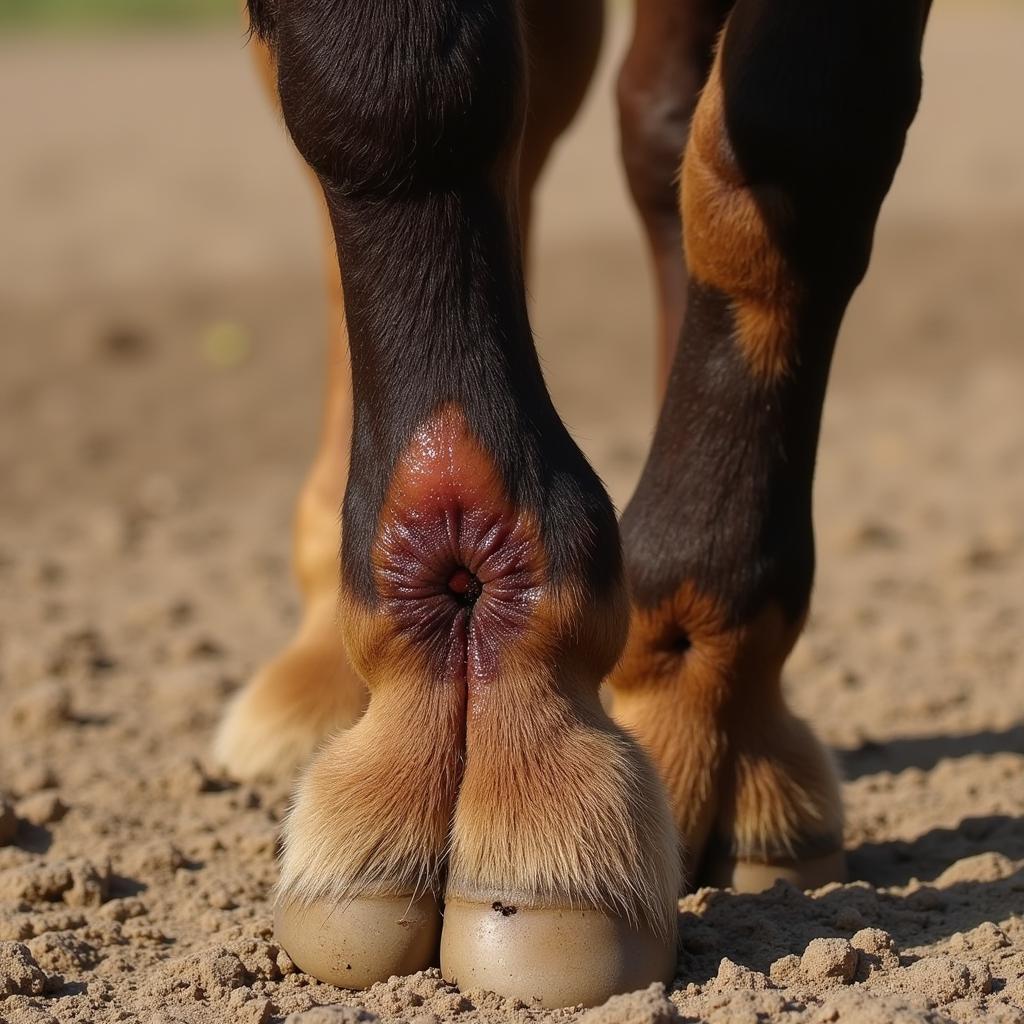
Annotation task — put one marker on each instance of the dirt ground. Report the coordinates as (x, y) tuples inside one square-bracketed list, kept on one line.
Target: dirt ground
[(163, 327)]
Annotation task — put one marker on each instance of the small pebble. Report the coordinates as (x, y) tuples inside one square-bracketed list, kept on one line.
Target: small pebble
[(829, 960), (649, 1006), (877, 952), (43, 808), (20, 975), (785, 969), (733, 977), (221, 900), (874, 940)]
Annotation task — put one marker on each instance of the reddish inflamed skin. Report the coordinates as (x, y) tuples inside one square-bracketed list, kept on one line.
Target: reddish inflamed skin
[(459, 572)]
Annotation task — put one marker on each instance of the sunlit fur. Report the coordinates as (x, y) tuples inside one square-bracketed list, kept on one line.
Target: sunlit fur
[(728, 243), (558, 807), (283, 714), (542, 799), (372, 811), (740, 769)]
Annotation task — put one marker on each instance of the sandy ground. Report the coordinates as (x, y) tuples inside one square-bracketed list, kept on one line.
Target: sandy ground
[(162, 328)]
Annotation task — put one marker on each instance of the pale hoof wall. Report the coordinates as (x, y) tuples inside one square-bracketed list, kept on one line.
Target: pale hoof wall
[(358, 943), (549, 957), (751, 877)]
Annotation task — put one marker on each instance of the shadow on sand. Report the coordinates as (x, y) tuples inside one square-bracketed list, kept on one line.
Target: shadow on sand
[(756, 930), (925, 752)]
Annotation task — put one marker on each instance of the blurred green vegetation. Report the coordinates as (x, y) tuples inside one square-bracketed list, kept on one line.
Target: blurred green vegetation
[(85, 14)]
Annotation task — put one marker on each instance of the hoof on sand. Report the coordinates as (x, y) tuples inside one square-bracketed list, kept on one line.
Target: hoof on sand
[(752, 877), (554, 957), (357, 943)]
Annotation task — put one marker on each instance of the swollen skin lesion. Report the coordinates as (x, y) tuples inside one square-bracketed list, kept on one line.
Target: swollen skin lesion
[(459, 571)]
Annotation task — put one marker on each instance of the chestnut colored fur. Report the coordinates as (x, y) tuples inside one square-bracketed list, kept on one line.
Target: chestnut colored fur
[(728, 243), (485, 592), (547, 801), (745, 777)]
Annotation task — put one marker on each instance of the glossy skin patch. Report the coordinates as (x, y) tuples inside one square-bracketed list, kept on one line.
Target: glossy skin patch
[(459, 571)]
